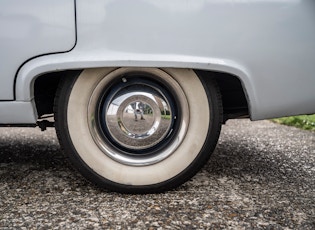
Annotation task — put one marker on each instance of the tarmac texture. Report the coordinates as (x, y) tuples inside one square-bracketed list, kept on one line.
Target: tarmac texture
[(261, 176)]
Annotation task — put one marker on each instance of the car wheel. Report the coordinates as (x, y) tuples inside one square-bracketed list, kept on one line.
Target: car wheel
[(138, 130)]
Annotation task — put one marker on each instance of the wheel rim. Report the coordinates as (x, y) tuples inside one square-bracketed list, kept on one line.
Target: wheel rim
[(138, 118)]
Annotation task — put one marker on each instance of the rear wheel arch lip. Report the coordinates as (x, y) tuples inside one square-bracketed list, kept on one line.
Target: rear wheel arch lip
[(60, 62)]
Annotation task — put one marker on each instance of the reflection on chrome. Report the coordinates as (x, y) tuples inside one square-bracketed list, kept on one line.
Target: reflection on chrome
[(138, 119)]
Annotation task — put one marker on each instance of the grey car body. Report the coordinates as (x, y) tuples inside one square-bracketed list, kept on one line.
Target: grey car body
[(261, 53)]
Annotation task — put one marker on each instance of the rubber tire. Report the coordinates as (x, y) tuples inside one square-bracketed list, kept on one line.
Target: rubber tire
[(71, 126)]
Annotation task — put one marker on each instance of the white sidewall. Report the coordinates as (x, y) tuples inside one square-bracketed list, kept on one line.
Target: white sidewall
[(114, 171)]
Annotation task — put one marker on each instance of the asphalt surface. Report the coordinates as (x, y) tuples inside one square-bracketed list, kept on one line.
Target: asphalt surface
[(261, 176)]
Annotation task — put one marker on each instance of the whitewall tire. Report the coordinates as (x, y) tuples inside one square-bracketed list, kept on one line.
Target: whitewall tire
[(138, 130)]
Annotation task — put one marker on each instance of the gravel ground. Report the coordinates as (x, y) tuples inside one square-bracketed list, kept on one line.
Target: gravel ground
[(262, 175)]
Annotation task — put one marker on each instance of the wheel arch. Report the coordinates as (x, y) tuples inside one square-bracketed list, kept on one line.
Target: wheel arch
[(230, 76), (234, 99)]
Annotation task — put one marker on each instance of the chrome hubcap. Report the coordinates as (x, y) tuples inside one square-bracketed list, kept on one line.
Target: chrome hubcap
[(138, 118)]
